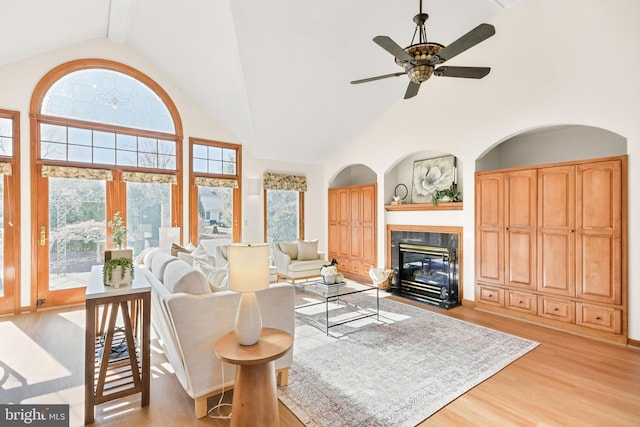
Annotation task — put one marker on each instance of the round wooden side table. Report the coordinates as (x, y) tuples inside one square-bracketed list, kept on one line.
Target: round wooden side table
[(255, 400)]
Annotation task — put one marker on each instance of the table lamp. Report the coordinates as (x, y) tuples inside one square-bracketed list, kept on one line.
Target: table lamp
[(248, 273)]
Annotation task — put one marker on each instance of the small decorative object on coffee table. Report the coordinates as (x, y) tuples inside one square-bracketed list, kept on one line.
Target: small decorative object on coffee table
[(329, 272)]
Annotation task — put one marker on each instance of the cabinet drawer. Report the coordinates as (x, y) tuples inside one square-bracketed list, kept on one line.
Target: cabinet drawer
[(557, 309), (490, 295), (598, 317), (355, 267), (522, 301), (366, 268)]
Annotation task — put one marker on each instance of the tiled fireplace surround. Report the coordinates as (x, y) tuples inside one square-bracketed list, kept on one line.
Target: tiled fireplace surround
[(450, 237)]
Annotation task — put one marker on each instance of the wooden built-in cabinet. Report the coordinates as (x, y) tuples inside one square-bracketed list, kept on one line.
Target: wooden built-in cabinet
[(550, 247), (352, 229)]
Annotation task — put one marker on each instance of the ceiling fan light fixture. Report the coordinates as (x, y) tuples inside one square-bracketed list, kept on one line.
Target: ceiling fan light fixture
[(420, 73)]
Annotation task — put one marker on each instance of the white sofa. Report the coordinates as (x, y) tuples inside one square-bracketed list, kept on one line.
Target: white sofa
[(189, 318), (291, 265)]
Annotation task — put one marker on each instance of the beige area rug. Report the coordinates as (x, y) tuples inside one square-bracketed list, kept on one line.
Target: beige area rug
[(393, 372)]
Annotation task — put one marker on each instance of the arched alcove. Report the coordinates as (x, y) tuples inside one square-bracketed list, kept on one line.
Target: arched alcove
[(552, 144), (356, 174), (402, 173)]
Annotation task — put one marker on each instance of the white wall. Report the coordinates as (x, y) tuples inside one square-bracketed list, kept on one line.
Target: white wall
[(18, 79), (552, 63)]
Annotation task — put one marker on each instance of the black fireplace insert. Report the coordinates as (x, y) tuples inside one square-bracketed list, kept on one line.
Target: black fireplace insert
[(428, 274)]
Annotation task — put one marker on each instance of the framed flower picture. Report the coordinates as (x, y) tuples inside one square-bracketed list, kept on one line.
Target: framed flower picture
[(431, 176)]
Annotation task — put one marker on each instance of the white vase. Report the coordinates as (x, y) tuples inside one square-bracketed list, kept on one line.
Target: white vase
[(329, 279)]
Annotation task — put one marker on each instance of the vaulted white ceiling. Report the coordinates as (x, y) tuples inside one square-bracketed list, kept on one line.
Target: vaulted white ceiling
[(275, 73)]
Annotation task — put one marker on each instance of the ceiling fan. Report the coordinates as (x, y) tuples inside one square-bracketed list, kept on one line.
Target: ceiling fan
[(420, 59)]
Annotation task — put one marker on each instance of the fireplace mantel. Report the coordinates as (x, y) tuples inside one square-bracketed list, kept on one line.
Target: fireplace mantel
[(442, 206)]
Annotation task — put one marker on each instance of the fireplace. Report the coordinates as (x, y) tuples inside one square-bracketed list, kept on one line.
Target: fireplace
[(426, 263)]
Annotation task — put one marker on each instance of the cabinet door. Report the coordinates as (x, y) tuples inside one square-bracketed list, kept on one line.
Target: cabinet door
[(520, 228), (490, 228), (556, 232), (598, 221), (355, 209), (369, 245), (344, 225), (334, 226)]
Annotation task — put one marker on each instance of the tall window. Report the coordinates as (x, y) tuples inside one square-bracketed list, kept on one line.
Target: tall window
[(215, 190), (106, 139), (284, 207), (9, 212)]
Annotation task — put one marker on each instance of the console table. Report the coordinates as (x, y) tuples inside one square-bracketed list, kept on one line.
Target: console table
[(123, 313), (255, 402)]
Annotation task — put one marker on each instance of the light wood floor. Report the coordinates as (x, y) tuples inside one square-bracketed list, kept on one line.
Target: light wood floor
[(566, 381)]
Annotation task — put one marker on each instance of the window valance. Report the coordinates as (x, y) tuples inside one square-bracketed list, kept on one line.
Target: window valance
[(49, 171), (215, 182), (5, 168), (277, 181), (149, 178)]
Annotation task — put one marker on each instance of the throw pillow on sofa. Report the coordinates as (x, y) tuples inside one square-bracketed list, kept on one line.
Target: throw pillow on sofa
[(290, 249), (217, 277), (307, 250)]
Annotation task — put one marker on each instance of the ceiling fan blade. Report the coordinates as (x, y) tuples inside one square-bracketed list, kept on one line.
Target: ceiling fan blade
[(371, 79), (465, 72), (392, 47), (472, 38), (412, 90)]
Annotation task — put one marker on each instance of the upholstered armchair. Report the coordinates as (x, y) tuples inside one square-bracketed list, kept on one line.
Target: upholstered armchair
[(297, 260)]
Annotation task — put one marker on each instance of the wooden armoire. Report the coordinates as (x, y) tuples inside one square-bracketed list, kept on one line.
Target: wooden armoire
[(551, 245), (352, 230)]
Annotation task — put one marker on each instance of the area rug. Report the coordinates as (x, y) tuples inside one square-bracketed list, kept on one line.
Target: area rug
[(393, 372)]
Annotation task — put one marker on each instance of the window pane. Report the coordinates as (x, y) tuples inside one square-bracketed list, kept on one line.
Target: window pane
[(104, 156), (148, 209), (80, 154), (199, 151), (283, 215), (215, 213), (214, 167), (147, 160), (127, 158), (215, 153), (229, 155), (53, 151), (200, 165), (104, 139), (110, 97), (127, 142), (6, 136), (79, 136), (166, 147), (53, 133), (76, 230), (166, 162)]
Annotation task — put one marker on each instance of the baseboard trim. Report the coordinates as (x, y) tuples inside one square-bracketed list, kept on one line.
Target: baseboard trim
[(633, 343)]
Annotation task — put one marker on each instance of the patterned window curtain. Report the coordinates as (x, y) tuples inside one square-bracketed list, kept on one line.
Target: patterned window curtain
[(5, 168), (215, 182), (49, 171), (277, 181), (149, 178)]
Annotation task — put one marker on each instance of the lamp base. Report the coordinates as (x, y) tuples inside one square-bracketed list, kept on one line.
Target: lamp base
[(248, 319)]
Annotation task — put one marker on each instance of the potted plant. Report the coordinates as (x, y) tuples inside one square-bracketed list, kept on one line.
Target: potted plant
[(118, 263), (450, 194), (118, 272), (118, 237)]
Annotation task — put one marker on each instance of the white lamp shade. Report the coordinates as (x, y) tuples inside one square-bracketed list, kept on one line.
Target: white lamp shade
[(248, 267)]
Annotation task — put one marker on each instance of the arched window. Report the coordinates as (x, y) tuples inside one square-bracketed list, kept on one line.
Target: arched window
[(105, 139)]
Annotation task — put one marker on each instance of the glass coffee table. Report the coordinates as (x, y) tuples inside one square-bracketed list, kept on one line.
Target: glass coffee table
[(336, 293)]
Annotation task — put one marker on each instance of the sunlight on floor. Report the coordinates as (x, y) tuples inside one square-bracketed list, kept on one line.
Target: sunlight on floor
[(20, 371)]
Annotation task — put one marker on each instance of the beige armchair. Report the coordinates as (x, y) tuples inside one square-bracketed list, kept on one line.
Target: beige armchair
[(297, 260)]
